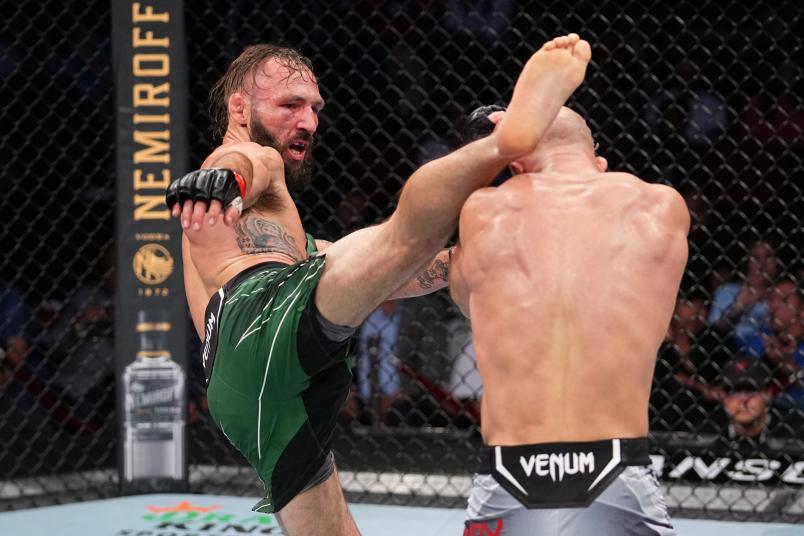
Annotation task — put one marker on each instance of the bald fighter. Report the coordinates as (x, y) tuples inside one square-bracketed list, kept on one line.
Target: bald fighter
[(569, 274), (274, 312)]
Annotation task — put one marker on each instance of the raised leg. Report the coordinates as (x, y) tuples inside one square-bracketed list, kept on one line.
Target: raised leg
[(366, 267)]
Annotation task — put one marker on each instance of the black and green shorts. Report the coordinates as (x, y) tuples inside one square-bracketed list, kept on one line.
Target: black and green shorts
[(275, 382)]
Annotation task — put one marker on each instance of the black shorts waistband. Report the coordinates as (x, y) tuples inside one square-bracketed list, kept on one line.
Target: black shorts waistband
[(562, 475), (633, 451)]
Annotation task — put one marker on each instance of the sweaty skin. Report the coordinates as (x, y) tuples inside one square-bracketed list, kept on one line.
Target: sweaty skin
[(278, 106), (269, 230), (401, 249), (570, 277)]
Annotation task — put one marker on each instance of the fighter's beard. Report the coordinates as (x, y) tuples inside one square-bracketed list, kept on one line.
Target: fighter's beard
[(298, 174)]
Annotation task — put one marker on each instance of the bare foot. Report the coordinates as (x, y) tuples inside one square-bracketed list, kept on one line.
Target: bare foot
[(548, 79)]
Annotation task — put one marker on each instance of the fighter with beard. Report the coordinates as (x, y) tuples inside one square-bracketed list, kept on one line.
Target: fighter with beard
[(274, 312)]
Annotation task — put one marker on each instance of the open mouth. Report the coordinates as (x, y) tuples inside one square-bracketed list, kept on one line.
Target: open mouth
[(297, 149)]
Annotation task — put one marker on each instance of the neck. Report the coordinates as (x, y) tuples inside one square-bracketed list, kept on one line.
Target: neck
[(568, 160), (235, 134)]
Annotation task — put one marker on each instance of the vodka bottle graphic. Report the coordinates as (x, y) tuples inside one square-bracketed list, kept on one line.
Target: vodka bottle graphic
[(153, 387)]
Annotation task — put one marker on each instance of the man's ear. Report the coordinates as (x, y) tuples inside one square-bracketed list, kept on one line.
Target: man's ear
[(237, 109), (602, 164)]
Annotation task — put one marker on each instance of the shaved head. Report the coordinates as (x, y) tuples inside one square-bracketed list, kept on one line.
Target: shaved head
[(568, 134), (568, 128)]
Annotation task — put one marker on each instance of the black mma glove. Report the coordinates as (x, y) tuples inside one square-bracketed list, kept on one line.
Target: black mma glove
[(477, 124), (225, 185)]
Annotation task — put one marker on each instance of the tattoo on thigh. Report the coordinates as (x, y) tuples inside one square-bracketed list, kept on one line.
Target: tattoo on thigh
[(438, 270), (257, 235)]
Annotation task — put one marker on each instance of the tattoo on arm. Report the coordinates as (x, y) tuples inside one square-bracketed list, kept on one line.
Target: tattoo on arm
[(257, 235), (437, 270)]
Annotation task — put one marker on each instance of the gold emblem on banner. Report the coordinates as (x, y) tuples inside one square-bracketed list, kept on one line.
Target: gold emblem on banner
[(152, 264)]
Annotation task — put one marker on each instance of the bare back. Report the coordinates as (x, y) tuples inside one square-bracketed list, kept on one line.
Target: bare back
[(570, 283)]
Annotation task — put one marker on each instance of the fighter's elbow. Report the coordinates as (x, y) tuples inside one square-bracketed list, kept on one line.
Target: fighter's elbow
[(513, 144)]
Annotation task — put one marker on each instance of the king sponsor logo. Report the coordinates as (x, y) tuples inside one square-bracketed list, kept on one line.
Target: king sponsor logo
[(187, 518)]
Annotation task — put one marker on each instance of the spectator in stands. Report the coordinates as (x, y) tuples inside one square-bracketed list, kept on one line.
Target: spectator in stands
[(719, 275), (378, 380), (684, 391), (783, 343), (742, 308), (29, 393), (465, 383), (81, 346), (16, 323), (747, 389)]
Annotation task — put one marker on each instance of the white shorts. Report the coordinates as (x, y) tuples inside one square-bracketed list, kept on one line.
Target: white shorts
[(632, 504)]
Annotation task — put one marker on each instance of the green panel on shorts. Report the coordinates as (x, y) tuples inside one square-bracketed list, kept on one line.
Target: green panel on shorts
[(254, 391)]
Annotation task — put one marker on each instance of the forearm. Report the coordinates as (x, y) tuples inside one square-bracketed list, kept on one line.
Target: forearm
[(241, 164), (432, 277)]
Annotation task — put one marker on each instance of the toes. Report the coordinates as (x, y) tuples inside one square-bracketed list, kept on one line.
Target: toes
[(582, 50), (565, 41)]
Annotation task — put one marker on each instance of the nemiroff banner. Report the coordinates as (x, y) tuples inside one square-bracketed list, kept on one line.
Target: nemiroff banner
[(150, 330)]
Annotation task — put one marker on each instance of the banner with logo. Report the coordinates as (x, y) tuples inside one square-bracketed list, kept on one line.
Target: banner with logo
[(144, 515), (151, 311), (209, 515)]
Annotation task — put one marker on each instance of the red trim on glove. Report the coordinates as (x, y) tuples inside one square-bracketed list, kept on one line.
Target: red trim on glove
[(242, 183)]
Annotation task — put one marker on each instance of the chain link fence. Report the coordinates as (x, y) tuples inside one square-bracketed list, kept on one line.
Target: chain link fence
[(705, 96), (57, 418)]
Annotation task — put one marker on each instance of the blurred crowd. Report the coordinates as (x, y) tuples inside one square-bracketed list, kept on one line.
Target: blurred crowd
[(735, 362)]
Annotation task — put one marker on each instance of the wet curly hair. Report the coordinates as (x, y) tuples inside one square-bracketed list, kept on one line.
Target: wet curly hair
[(245, 64)]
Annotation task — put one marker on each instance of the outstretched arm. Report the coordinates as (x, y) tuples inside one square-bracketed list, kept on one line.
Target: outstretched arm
[(432, 277), (433, 196), (431, 200)]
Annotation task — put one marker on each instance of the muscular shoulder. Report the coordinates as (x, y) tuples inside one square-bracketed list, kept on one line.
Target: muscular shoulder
[(258, 155), (480, 202), (668, 205), (659, 202)]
